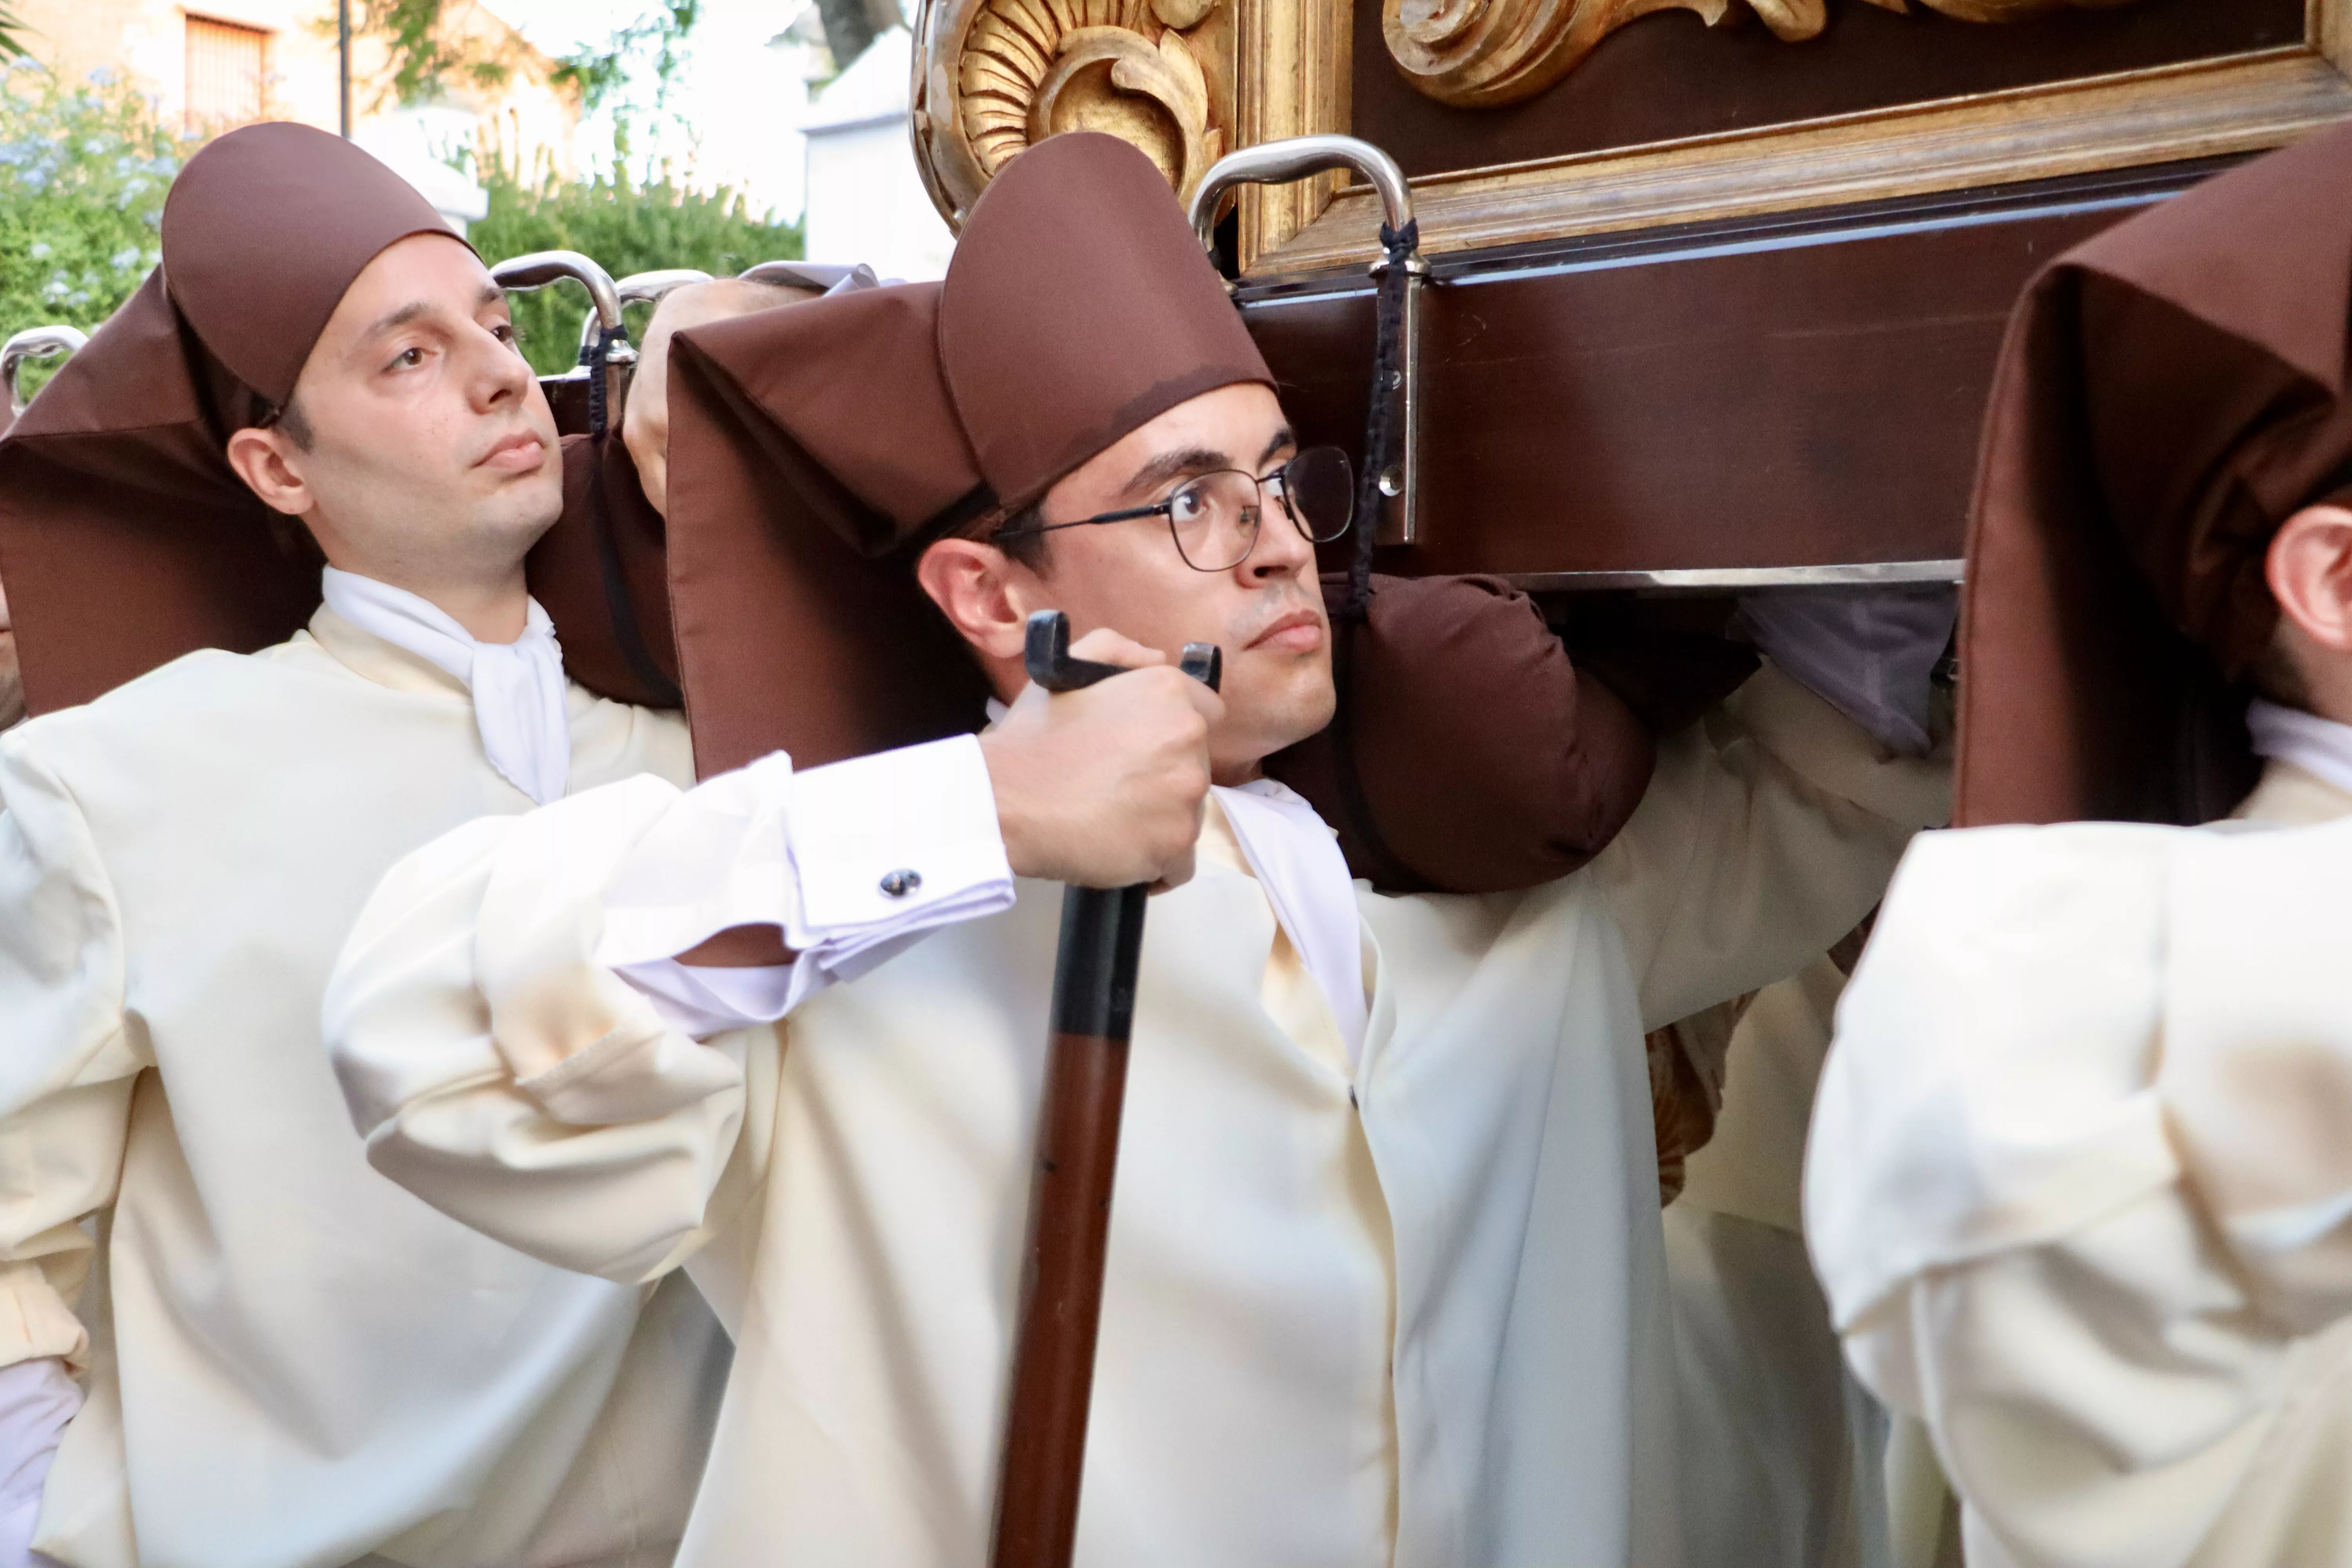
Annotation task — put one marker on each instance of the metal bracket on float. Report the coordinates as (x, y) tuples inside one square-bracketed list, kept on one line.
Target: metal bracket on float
[(541, 268), (1295, 158), (640, 288), (34, 343)]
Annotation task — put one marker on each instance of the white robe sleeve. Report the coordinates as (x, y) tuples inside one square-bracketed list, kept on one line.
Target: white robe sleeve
[(2078, 1187), (67, 1072), (853, 861), (1768, 831), (502, 1072), (490, 1019)]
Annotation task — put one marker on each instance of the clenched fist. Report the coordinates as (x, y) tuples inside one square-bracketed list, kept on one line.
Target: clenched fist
[(1104, 787)]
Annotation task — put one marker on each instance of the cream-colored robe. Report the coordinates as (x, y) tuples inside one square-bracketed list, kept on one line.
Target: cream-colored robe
[(2079, 1179), (1464, 1362), (1769, 1460), (304, 1363), (1787, 1462)]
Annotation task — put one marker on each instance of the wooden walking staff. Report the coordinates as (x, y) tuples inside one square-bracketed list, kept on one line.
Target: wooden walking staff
[(1077, 1157)]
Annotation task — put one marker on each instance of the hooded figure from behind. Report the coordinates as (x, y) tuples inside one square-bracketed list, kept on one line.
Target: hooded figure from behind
[(2078, 1181)]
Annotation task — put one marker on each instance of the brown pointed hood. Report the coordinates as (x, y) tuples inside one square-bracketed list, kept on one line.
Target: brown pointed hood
[(812, 448), (2169, 394)]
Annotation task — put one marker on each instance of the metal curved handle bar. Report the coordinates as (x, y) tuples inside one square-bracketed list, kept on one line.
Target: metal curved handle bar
[(541, 268), (523, 273), (1295, 158), (817, 274), (651, 286), (35, 342), (642, 288)]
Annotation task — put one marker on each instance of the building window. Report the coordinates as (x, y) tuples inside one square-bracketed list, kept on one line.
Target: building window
[(224, 74)]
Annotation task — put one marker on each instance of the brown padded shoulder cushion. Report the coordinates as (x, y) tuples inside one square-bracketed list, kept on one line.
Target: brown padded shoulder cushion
[(567, 567), (1485, 760)]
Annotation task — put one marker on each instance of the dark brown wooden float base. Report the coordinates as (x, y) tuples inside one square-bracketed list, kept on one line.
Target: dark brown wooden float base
[(1804, 392)]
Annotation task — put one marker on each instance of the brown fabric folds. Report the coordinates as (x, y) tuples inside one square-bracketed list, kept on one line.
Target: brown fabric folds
[(125, 538), (2169, 394), (1050, 349), (1447, 798), (803, 440)]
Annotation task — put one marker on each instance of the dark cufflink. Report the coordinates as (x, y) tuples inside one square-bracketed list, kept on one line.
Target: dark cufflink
[(898, 884)]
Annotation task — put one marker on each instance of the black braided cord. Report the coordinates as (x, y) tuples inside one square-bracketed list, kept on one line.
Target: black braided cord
[(1389, 871), (1381, 421)]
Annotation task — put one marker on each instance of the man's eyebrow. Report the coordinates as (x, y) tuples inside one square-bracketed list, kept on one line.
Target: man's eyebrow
[(1281, 438), (490, 294), (1174, 465), (392, 321)]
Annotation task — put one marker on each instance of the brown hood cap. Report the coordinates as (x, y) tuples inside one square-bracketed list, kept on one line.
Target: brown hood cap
[(2169, 395), (813, 444), (262, 233), (126, 540), (1079, 306)]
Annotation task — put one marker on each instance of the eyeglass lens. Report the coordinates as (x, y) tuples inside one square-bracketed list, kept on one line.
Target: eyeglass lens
[(1215, 517)]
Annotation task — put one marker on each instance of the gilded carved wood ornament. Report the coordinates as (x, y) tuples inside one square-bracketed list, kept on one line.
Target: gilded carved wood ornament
[(993, 75), (1478, 54)]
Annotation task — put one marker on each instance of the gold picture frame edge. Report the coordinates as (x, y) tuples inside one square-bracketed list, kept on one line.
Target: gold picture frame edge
[(2238, 103)]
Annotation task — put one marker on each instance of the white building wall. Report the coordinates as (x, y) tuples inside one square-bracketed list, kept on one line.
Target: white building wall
[(865, 202)]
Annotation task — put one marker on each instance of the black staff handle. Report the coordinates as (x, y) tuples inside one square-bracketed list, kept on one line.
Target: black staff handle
[(1077, 1158)]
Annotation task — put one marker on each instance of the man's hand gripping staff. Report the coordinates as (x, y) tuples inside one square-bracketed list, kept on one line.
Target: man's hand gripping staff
[(1077, 1155)]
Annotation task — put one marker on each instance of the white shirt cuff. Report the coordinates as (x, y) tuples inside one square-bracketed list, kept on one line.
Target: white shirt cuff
[(853, 861)]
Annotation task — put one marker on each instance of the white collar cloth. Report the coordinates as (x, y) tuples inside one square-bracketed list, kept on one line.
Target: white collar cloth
[(517, 688), (1298, 865), (1305, 877), (2320, 747)]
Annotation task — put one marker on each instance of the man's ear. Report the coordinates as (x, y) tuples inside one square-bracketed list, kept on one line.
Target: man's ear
[(2309, 569), (261, 460), (985, 595)]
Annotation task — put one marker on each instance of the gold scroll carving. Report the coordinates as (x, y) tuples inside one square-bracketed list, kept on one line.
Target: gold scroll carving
[(1477, 54), (993, 75)]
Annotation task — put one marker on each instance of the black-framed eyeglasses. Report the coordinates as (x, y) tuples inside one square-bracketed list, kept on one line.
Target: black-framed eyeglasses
[(1213, 516)]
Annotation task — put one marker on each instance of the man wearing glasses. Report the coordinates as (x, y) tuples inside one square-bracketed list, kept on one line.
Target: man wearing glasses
[(1384, 1281)]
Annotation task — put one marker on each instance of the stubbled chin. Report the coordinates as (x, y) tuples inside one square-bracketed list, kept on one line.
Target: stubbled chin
[(1287, 713)]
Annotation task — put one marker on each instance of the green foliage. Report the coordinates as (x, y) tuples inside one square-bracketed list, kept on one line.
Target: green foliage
[(602, 73), (423, 57), (82, 175), (626, 227), (13, 29), (426, 59)]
